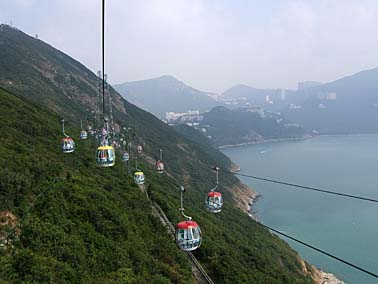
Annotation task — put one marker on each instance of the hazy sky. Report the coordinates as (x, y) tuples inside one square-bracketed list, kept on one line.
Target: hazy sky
[(210, 44)]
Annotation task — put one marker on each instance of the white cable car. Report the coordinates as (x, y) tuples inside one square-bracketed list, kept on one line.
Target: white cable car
[(139, 177), (214, 199), (105, 156), (83, 134), (160, 164), (125, 156), (188, 233), (67, 143)]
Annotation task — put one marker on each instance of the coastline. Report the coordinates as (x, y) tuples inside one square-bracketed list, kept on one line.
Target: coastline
[(265, 141), (293, 139), (245, 197)]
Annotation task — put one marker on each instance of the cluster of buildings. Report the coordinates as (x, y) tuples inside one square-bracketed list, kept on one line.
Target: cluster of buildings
[(191, 117)]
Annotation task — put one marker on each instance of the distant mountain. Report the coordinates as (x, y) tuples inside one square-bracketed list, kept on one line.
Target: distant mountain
[(243, 95), (165, 94), (308, 84), (229, 127), (347, 105), (244, 91)]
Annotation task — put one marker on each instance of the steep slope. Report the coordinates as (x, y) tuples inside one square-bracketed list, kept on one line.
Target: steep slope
[(83, 217), (234, 250), (165, 94)]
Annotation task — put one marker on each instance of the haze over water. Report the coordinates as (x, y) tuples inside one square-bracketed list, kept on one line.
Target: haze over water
[(342, 226)]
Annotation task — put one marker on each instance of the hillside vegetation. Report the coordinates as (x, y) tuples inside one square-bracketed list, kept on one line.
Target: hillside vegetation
[(94, 225), (229, 127), (87, 217)]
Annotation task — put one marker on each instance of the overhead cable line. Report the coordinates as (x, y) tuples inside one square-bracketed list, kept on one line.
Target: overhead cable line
[(348, 263), (103, 59), (306, 187)]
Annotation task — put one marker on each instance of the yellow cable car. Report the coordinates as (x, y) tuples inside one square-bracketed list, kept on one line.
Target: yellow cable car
[(139, 177), (105, 156)]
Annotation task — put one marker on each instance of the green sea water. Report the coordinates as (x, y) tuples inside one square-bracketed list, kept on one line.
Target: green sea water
[(345, 227)]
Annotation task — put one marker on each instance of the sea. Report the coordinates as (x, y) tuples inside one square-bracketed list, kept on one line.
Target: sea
[(344, 227)]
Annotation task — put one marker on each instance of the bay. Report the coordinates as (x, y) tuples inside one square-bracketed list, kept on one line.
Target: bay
[(342, 226)]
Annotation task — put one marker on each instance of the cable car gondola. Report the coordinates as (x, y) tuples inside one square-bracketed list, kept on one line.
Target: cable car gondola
[(188, 233), (139, 148), (125, 156), (83, 133), (67, 143), (160, 164), (139, 177), (160, 167), (214, 199), (105, 156)]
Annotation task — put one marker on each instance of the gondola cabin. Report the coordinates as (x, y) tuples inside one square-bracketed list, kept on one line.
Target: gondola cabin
[(214, 202), (160, 167), (139, 177), (105, 156), (139, 148), (125, 156), (68, 145), (188, 235), (83, 134)]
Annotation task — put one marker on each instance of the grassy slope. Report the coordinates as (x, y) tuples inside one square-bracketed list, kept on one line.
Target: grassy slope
[(88, 218), (235, 250)]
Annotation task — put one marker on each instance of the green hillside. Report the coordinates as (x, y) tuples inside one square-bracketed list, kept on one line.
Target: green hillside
[(88, 218), (95, 218), (229, 127)]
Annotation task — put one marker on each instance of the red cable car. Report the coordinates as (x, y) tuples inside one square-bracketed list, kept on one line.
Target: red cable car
[(214, 199), (139, 148), (160, 167), (160, 164), (214, 202), (188, 233)]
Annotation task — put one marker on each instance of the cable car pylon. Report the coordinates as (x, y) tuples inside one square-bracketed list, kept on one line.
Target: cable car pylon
[(188, 233), (214, 199), (67, 143)]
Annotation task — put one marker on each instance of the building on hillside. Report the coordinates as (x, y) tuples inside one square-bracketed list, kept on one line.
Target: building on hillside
[(190, 116)]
